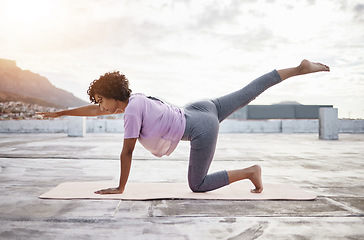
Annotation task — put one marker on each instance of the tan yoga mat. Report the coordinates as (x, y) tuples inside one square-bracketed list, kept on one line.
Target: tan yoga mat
[(149, 191)]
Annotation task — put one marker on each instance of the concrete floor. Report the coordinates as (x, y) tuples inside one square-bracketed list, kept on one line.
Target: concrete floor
[(31, 164)]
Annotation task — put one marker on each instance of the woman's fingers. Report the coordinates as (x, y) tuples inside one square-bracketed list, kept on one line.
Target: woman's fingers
[(48, 114), (109, 191)]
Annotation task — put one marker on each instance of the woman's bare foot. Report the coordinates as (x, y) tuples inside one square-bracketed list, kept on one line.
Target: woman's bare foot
[(256, 179), (304, 68), (310, 67), (253, 173)]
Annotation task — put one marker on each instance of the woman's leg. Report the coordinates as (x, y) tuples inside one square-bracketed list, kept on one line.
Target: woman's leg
[(199, 164), (228, 104), (202, 128), (232, 102)]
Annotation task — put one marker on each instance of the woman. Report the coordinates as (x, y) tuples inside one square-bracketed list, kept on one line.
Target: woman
[(159, 126)]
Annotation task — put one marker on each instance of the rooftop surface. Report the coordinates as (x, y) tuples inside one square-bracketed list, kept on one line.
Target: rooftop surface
[(32, 164)]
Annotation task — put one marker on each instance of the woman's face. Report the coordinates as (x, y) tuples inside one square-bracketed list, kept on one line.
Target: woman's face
[(107, 104)]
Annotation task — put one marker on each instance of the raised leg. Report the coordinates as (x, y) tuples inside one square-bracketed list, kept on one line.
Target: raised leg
[(229, 103)]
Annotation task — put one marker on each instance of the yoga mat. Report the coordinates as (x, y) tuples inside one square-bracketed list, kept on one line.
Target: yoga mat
[(149, 191)]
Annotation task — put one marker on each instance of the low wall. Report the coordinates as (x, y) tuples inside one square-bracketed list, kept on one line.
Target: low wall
[(270, 126), (104, 126), (287, 126), (60, 126), (227, 126), (351, 126), (34, 126)]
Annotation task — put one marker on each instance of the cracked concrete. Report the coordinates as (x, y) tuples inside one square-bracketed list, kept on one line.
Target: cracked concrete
[(31, 164)]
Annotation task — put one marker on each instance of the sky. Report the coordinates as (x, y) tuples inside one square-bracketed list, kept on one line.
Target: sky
[(183, 50)]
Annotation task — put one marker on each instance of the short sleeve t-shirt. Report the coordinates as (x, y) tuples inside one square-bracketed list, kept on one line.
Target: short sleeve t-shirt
[(158, 126)]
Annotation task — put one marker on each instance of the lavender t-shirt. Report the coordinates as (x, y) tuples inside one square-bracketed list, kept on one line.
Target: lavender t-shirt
[(158, 126)]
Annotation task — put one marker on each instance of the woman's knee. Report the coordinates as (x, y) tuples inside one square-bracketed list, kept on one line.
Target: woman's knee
[(196, 186), (196, 189)]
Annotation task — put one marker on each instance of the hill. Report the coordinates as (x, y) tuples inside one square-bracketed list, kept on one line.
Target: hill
[(288, 103), (26, 86), (12, 97)]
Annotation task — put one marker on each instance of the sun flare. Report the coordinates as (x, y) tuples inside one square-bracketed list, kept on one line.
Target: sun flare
[(27, 12)]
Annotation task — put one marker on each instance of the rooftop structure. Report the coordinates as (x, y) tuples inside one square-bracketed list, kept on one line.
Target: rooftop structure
[(279, 111)]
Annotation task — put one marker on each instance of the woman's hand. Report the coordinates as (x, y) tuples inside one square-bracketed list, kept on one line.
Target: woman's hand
[(110, 191), (50, 114)]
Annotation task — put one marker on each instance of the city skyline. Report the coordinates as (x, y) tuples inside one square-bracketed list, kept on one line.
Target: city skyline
[(182, 51)]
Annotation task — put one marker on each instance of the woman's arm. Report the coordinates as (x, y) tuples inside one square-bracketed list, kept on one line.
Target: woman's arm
[(90, 110), (125, 164)]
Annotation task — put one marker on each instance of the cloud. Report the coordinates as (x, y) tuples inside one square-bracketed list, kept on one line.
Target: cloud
[(311, 2), (359, 12), (216, 13), (354, 8), (258, 39)]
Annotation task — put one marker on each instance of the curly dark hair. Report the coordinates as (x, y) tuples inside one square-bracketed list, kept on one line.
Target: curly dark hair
[(111, 85)]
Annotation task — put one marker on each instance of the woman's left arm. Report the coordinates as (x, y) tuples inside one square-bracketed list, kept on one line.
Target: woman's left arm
[(125, 164)]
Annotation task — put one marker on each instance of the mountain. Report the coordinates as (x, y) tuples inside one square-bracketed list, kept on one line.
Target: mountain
[(288, 103), (12, 97), (24, 85)]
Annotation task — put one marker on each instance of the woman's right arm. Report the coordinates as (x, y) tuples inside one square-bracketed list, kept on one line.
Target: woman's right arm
[(87, 111)]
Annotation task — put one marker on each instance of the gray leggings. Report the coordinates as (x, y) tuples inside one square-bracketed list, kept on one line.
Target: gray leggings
[(202, 127)]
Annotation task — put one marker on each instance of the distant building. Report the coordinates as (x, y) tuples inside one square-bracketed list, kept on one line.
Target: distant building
[(279, 111)]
